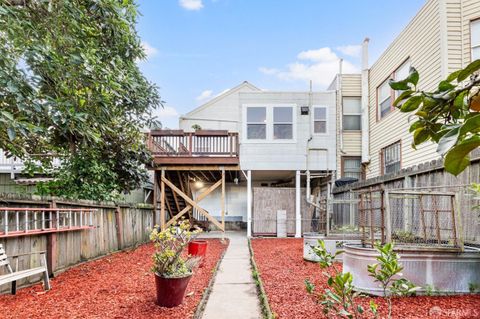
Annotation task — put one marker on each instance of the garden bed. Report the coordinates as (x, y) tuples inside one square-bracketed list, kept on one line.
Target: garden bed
[(283, 271), (117, 286)]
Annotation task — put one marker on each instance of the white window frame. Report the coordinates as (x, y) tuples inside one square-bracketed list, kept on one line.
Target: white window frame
[(327, 126), (473, 45), (269, 137), (256, 123), (281, 123), (347, 113)]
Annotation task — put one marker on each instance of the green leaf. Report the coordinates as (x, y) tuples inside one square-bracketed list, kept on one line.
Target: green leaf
[(471, 125), (11, 133), (465, 73), (401, 97), (420, 135), (413, 77), (457, 158), (445, 86), (448, 140), (411, 104), (398, 85), (453, 75)]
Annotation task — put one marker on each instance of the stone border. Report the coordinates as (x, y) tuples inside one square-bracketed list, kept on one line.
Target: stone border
[(262, 295), (206, 293)]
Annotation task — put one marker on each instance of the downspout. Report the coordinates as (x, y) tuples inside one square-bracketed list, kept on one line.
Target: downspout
[(365, 104), (340, 103)]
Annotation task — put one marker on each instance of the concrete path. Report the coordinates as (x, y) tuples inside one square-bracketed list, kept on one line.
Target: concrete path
[(234, 294)]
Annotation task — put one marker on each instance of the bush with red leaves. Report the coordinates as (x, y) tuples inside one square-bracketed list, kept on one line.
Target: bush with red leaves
[(117, 286)]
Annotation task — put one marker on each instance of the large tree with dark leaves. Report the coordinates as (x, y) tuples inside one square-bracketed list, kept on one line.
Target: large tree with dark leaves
[(70, 88), (448, 116)]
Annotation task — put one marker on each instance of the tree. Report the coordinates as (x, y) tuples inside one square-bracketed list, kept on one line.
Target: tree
[(449, 116), (70, 88)]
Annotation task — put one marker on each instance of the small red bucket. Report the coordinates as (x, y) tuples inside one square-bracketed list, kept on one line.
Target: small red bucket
[(198, 248)]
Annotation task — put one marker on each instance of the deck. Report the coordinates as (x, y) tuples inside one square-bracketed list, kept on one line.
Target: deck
[(203, 147)]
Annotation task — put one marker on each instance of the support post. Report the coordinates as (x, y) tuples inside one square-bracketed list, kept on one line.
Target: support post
[(162, 201), (388, 217), (223, 200), (249, 203), (298, 215)]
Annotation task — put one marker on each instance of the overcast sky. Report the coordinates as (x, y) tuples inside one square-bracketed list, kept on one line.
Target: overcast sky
[(199, 48)]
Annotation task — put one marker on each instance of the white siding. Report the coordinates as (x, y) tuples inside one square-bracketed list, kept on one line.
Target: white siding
[(292, 155)]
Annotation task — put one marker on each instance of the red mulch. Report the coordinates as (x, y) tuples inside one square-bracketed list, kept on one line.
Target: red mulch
[(117, 286), (283, 271)]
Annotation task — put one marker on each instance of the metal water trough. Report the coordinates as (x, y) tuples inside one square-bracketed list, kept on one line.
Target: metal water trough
[(332, 244), (442, 271)]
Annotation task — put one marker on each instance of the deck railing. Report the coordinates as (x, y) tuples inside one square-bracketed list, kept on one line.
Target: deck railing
[(211, 143)]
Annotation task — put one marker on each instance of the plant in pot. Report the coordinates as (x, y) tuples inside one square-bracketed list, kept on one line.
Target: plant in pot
[(171, 267)]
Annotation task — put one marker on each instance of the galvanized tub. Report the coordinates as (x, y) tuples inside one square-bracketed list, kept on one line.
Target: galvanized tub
[(443, 272), (332, 244)]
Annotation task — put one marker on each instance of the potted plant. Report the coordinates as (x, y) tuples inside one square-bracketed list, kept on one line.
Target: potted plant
[(172, 269)]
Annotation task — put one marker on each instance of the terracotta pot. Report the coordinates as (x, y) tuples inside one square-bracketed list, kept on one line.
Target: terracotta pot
[(171, 291), (198, 248)]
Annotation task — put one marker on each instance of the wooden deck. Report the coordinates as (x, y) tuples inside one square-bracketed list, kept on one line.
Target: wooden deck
[(203, 147)]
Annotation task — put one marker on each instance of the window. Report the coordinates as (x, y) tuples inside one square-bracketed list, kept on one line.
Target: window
[(320, 120), (256, 123), (352, 113), (391, 158), (384, 94), (352, 167), (402, 73), (475, 39), (282, 123)]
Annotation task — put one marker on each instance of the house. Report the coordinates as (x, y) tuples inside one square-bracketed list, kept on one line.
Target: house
[(444, 36), (276, 146)]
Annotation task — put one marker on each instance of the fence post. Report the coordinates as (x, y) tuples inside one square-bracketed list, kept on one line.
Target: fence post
[(51, 246), (457, 219), (388, 217), (119, 227)]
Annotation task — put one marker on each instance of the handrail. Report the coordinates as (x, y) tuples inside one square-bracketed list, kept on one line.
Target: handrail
[(202, 143)]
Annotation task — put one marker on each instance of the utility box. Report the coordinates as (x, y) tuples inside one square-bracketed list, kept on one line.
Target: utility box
[(281, 223)]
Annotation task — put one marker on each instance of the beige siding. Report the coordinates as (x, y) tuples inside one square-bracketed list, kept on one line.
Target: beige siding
[(470, 11), (351, 86), (420, 42)]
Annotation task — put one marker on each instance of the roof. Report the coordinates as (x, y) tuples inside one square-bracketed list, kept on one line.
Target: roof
[(244, 84)]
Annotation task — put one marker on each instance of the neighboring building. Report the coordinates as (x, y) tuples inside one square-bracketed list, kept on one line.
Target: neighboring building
[(443, 37)]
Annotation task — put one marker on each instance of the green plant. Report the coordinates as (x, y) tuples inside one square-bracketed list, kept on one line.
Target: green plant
[(430, 290), (473, 287), (404, 236), (386, 271), (196, 127), (168, 261), (449, 116), (341, 297), (71, 89)]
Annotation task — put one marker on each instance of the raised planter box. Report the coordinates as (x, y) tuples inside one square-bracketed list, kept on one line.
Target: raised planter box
[(332, 244), (444, 272)]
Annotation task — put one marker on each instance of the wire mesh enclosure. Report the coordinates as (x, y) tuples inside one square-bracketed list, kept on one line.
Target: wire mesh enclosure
[(410, 218), (343, 215)]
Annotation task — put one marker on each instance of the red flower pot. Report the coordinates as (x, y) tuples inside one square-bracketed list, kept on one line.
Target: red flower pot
[(198, 248), (171, 291)]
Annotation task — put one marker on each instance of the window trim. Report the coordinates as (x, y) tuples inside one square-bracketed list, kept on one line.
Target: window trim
[(475, 20), (280, 123), (342, 166), (256, 123), (269, 124), (395, 78), (382, 161), (392, 91), (327, 126), (356, 114)]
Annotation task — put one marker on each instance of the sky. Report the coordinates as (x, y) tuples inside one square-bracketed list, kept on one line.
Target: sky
[(197, 49)]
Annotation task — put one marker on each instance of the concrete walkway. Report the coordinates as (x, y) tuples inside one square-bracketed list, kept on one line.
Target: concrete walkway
[(234, 294)]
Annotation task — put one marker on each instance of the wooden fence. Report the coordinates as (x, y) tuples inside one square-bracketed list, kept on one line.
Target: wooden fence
[(116, 227)]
